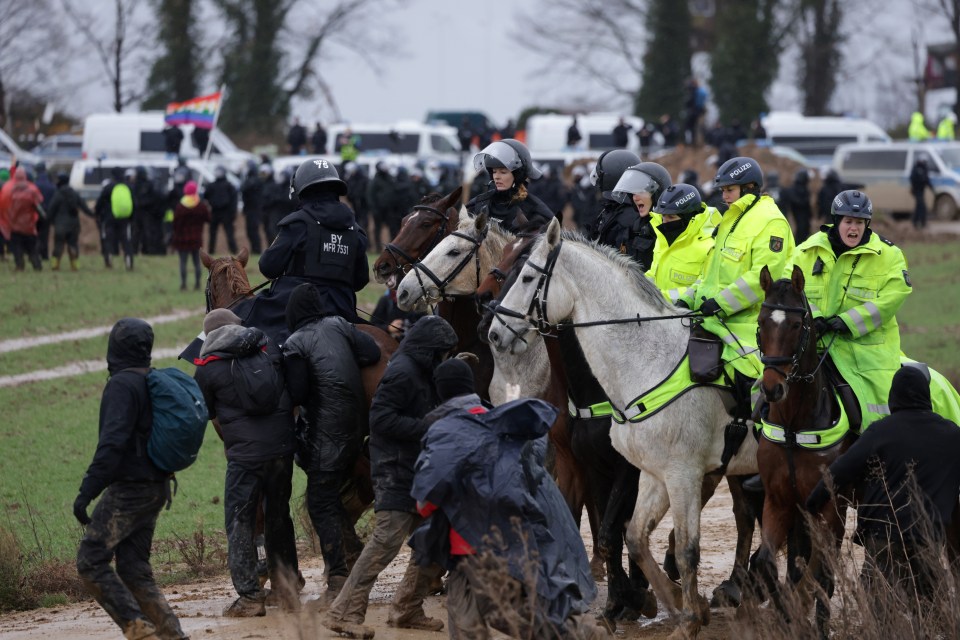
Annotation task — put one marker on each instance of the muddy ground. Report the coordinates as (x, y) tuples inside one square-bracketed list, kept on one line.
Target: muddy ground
[(199, 605)]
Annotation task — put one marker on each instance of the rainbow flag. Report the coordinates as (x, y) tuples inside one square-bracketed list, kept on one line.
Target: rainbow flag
[(199, 112)]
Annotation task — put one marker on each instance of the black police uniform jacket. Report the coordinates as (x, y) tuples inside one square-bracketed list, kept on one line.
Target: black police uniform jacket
[(620, 227), (321, 244), (501, 206)]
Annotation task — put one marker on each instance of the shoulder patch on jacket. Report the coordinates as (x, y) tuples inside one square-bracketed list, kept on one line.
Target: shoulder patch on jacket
[(776, 244), (906, 278), (886, 241)]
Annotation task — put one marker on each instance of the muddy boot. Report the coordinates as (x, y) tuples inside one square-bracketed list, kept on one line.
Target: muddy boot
[(244, 607), (73, 264), (140, 629), (334, 586), (56, 264), (416, 620), (346, 629)]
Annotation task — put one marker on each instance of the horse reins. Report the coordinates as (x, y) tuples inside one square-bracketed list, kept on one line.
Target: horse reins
[(774, 362), (472, 254)]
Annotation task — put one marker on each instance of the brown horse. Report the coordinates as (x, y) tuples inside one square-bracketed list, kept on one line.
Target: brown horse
[(228, 286), (802, 432)]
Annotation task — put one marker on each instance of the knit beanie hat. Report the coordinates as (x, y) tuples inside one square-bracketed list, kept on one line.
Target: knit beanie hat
[(453, 378), (190, 189), (219, 318)]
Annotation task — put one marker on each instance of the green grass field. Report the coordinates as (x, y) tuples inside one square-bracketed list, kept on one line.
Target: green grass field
[(49, 428)]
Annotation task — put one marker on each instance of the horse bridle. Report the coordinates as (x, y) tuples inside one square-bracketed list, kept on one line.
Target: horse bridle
[(775, 362), (472, 254), (208, 293), (536, 313), (403, 261)]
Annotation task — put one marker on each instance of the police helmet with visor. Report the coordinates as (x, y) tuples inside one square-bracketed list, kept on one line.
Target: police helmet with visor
[(852, 204), (317, 172), (610, 166), (508, 154), (646, 177)]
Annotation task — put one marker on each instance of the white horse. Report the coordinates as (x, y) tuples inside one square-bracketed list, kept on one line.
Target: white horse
[(581, 282), (454, 268)]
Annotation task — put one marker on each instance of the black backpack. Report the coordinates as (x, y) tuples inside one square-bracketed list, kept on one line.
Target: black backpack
[(259, 382)]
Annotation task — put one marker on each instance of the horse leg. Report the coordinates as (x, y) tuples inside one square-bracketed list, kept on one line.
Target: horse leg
[(777, 521), (710, 483), (686, 503), (581, 448), (730, 591), (652, 504)]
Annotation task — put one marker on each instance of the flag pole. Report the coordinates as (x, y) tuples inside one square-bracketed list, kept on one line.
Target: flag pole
[(216, 118)]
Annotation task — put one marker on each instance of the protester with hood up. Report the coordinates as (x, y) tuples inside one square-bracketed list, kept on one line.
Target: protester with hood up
[(148, 218), (48, 191), (133, 492), (917, 131), (322, 360), (65, 218), (397, 424), (115, 218), (189, 216), (908, 478), (483, 473), (510, 168), (20, 209), (320, 243), (251, 190), (259, 444)]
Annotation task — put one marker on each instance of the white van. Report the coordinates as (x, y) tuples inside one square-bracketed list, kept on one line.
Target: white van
[(547, 133), (140, 135), (404, 138), (87, 176), (884, 170), (817, 138)]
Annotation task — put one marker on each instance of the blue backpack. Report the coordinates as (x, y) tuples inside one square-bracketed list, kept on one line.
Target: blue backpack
[(179, 419)]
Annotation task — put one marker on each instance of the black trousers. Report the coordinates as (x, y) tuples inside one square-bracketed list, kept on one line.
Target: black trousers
[(225, 220), (23, 245), (246, 484), (122, 529), (329, 519), (252, 219)]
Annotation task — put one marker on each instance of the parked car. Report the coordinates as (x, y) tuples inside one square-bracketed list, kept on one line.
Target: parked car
[(884, 170)]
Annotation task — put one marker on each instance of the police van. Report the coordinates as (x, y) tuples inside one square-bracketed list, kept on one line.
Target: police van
[(817, 138)]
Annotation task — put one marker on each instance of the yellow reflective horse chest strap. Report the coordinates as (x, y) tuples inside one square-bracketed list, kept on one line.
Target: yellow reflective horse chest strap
[(819, 439), (676, 384), (598, 410)]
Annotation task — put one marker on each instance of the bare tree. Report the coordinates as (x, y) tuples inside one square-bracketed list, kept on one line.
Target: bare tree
[(599, 41), (27, 34), (120, 48), (819, 30), (949, 9)]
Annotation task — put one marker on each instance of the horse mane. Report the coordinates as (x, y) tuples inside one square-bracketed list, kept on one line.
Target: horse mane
[(643, 285), (497, 236), (227, 276), (431, 198)]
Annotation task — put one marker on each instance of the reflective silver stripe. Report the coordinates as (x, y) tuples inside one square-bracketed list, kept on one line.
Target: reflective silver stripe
[(576, 412), (814, 308), (687, 293), (874, 314), (674, 295), (747, 292), (854, 315), (734, 342), (732, 301), (632, 412), (777, 434), (881, 409)]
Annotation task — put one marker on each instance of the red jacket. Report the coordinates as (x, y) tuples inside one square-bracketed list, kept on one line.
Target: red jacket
[(188, 225), (19, 206)]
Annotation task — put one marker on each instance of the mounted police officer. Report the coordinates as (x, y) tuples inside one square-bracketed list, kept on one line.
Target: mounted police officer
[(509, 166), (614, 215), (320, 243), (752, 233), (640, 185), (856, 281), (684, 239)]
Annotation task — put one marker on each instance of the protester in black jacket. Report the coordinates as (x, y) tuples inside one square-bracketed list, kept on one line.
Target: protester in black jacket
[(908, 476), (222, 197), (796, 200), (65, 218), (919, 183), (259, 446), (322, 357), (251, 190), (397, 424), (134, 491), (148, 215), (276, 202)]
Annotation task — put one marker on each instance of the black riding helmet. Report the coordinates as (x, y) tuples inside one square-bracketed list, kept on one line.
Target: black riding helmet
[(645, 177), (853, 204), (507, 154), (610, 166), (680, 200), (317, 172), (739, 171)]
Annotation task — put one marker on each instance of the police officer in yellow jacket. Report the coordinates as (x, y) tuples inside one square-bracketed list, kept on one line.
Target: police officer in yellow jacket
[(684, 240), (752, 233), (856, 281)]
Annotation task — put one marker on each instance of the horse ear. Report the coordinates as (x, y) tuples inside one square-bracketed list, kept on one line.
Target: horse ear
[(243, 256), (765, 279), (206, 259), (480, 222), (451, 199), (553, 233), (797, 279)]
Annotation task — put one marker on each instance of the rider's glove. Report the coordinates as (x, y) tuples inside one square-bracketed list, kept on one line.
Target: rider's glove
[(710, 307)]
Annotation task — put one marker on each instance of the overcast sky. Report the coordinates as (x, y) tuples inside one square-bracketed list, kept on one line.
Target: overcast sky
[(461, 54)]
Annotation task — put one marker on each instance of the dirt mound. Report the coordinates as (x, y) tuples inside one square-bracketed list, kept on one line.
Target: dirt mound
[(703, 161)]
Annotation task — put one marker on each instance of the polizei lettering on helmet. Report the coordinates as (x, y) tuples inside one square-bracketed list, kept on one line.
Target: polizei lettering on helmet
[(685, 199), (740, 169)]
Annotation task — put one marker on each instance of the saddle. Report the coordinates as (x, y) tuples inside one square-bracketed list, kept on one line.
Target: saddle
[(846, 394)]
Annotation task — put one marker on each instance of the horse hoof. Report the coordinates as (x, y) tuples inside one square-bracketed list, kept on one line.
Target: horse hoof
[(649, 607), (687, 630), (670, 567), (728, 594), (598, 567)]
